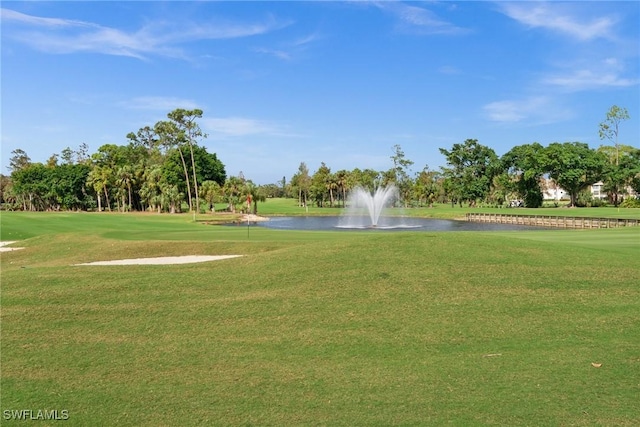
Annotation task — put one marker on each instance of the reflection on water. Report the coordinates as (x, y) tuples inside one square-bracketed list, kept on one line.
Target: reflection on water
[(390, 224)]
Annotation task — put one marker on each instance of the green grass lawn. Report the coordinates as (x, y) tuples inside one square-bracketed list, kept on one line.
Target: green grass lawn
[(318, 328)]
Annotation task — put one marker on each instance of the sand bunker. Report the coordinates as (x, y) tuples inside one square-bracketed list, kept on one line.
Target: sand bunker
[(187, 259), (4, 249)]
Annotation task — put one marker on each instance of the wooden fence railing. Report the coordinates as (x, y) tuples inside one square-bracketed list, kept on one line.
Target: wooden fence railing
[(553, 221)]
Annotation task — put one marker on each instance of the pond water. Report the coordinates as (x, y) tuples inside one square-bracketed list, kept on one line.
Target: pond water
[(389, 224)]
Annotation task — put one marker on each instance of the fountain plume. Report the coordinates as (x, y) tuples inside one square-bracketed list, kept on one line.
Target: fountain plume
[(365, 208)]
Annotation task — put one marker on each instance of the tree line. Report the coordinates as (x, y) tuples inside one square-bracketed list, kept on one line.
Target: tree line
[(160, 168), (164, 169), (475, 174)]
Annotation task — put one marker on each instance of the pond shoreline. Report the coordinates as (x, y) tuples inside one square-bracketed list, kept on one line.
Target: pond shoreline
[(386, 224)]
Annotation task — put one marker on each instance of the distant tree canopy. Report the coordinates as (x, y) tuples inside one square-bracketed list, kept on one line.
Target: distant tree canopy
[(208, 168), (472, 167), (527, 164), (574, 166), (59, 188)]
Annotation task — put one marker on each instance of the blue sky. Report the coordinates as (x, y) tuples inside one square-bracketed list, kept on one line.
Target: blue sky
[(336, 82)]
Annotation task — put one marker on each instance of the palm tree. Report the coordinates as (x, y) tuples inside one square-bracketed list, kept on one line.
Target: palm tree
[(94, 180), (256, 194), (210, 190), (151, 188), (331, 185), (342, 179), (124, 179), (103, 176), (232, 190), (171, 197)]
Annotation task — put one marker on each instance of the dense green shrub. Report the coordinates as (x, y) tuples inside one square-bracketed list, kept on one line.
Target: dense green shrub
[(630, 202)]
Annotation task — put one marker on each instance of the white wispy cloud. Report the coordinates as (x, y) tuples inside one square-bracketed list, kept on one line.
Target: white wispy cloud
[(160, 103), (531, 110), (55, 35), (242, 126), (559, 17), (11, 15), (290, 50), (505, 111), (419, 20), (308, 39), (278, 53), (589, 79), (59, 35), (606, 73)]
